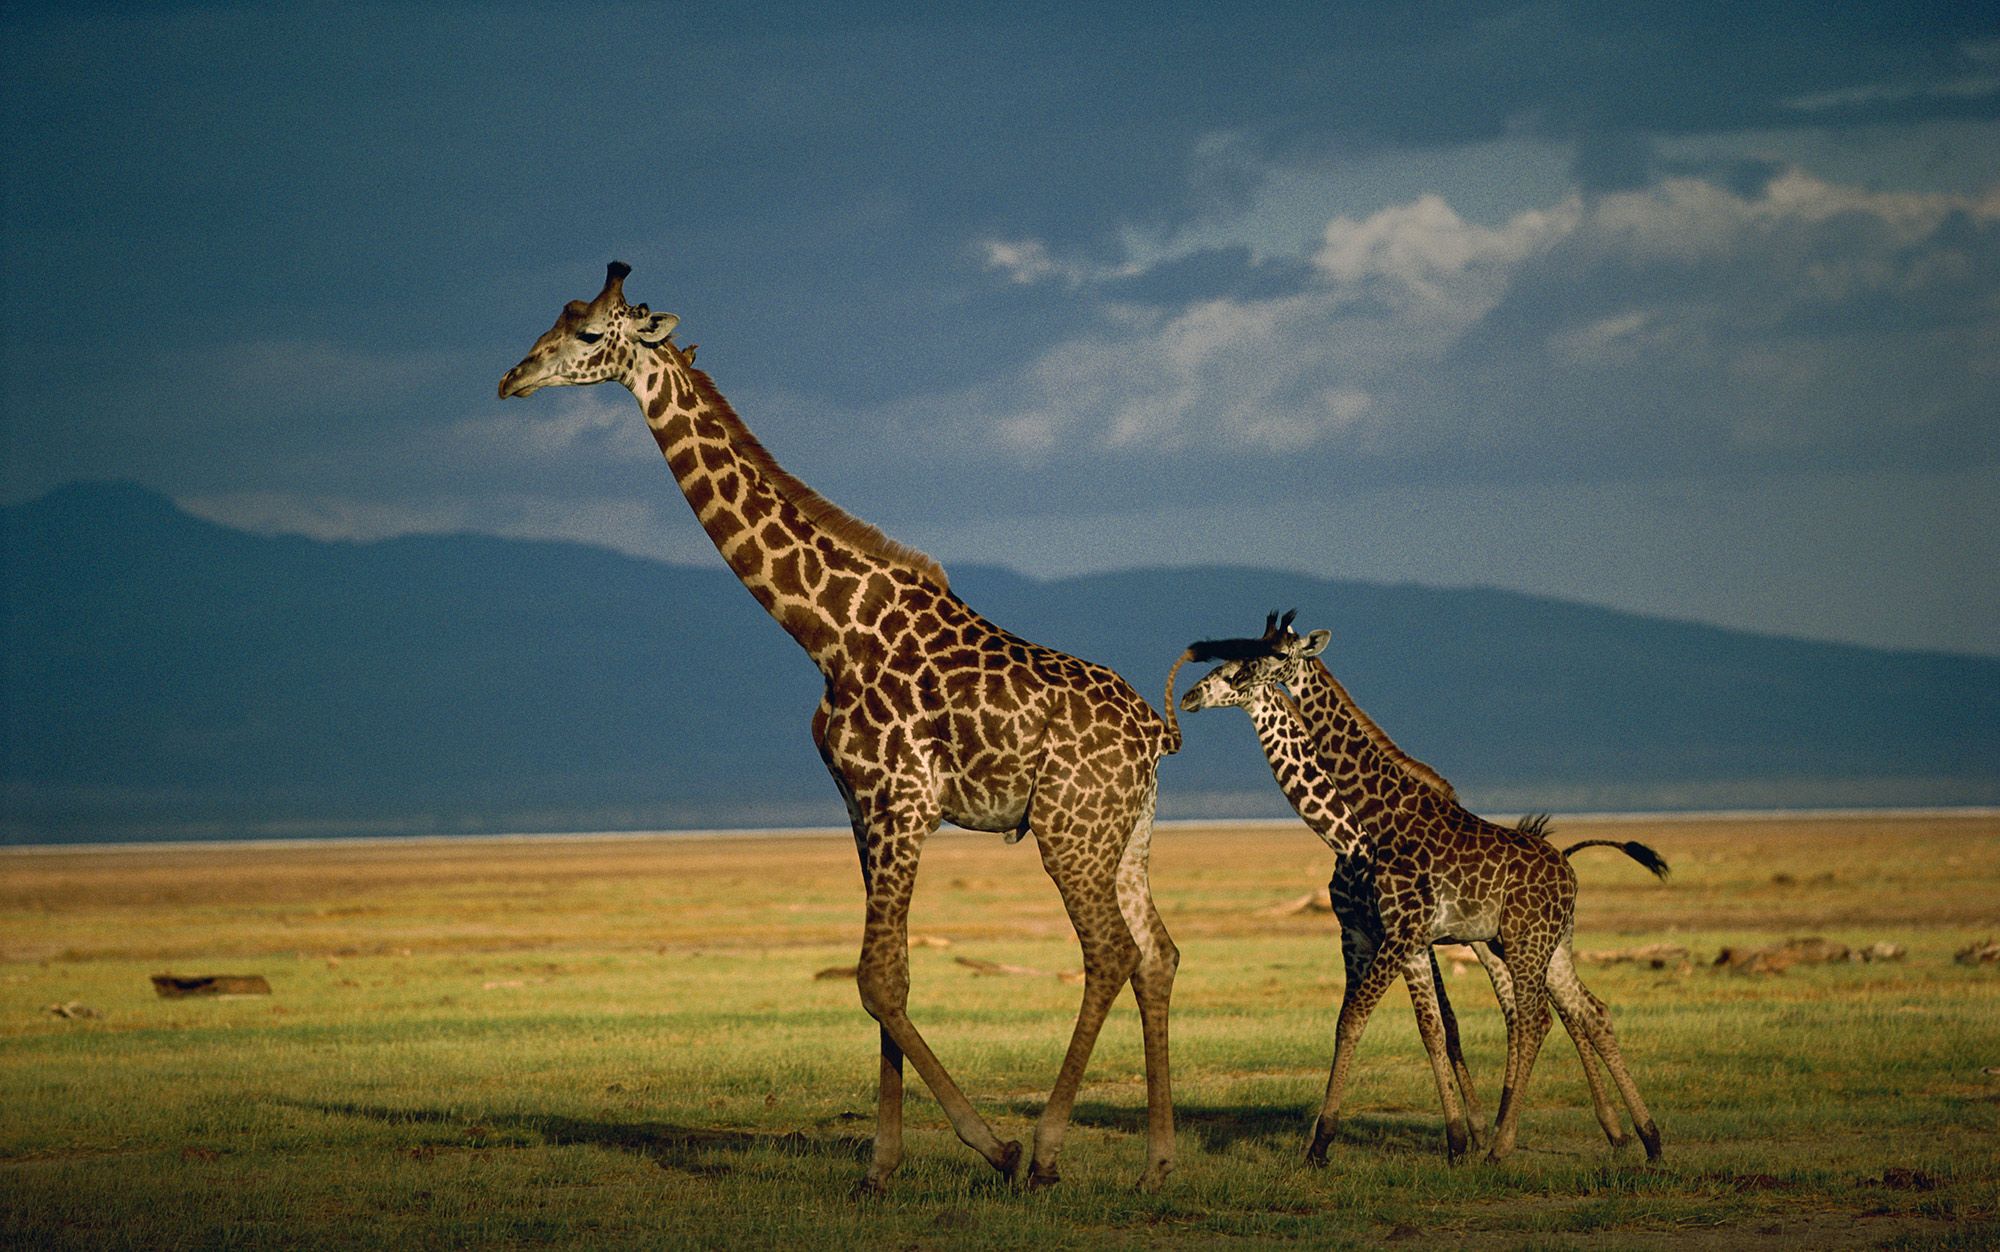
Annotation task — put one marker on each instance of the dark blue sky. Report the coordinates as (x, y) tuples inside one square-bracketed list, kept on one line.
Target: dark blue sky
[(1687, 309)]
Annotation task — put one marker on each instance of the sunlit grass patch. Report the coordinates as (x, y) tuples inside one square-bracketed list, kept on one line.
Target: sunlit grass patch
[(628, 1046)]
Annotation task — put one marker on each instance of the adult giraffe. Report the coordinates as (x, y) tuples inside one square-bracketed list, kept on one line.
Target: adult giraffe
[(931, 713)]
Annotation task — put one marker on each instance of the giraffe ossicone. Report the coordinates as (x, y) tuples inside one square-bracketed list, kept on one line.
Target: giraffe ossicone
[(930, 713)]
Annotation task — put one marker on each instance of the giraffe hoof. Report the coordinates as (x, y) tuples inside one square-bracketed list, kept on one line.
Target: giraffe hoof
[(1650, 1135), (1010, 1158), (1316, 1153), (869, 1187), (1038, 1177)]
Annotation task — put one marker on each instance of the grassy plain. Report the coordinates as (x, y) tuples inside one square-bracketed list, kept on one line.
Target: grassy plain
[(622, 1043)]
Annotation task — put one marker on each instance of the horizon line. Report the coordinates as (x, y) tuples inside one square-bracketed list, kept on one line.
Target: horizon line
[(834, 832)]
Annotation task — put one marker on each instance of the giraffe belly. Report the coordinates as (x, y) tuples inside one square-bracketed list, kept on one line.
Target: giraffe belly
[(996, 802), (1458, 920)]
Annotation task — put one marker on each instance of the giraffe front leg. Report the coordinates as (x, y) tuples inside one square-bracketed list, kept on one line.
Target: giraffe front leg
[(888, 1150), (887, 1153), (1439, 1032), (1524, 1039), (1503, 994), (1357, 1002), (1474, 1126), (884, 981)]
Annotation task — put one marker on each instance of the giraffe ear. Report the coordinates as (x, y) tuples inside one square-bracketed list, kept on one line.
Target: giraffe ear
[(1316, 643), (652, 329)]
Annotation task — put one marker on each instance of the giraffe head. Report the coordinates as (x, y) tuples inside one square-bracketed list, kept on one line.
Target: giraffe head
[(1251, 666), (592, 342)]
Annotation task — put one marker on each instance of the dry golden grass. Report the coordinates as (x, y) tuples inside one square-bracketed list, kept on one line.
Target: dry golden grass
[(620, 1042), (1210, 878)]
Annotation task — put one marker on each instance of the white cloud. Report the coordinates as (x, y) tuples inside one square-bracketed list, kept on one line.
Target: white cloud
[(572, 420), (652, 527), (1426, 251), (1792, 318), (1159, 386), (1609, 340), (1967, 87), (1023, 261)]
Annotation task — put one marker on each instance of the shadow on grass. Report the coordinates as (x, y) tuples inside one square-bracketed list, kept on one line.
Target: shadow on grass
[(693, 1149), (1220, 1126), (689, 1149)]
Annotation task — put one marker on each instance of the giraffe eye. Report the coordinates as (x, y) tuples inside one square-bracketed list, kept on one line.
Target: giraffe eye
[(589, 336)]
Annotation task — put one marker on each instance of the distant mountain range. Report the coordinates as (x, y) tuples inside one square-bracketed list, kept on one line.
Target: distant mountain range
[(166, 677)]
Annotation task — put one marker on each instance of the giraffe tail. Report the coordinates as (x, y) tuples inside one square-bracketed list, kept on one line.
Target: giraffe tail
[(1634, 849), (1170, 742)]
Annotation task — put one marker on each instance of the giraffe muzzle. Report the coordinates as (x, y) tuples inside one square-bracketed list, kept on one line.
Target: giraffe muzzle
[(517, 382)]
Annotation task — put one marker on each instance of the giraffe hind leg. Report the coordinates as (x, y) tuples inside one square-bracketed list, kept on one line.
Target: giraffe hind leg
[(1110, 957), (1595, 1017), (1586, 1052), (1153, 988)]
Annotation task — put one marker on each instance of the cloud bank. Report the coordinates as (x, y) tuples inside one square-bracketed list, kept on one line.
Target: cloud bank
[(1683, 325)]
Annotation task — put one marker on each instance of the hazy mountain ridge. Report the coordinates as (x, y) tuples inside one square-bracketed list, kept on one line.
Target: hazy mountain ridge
[(166, 676)]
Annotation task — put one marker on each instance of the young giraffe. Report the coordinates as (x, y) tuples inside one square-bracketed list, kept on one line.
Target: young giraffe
[(930, 713), (1351, 889), (1440, 874), (1329, 712)]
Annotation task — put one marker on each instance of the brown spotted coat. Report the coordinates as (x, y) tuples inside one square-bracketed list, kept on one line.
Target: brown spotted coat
[(930, 713), (1434, 873)]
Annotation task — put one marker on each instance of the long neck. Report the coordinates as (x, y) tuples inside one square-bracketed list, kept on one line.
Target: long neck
[(1335, 719), (1313, 790), (826, 577), (1373, 791)]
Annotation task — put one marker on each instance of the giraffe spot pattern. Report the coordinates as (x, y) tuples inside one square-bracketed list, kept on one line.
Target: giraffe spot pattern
[(929, 713), (1416, 868)]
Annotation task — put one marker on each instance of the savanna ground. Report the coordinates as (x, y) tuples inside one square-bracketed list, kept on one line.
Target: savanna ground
[(623, 1043)]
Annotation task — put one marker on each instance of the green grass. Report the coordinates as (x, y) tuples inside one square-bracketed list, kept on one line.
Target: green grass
[(627, 1047)]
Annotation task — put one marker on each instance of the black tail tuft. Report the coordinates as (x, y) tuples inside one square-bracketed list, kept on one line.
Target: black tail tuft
[(1648, 858), (1534, 824), (1634, 849), (1203, 650)]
